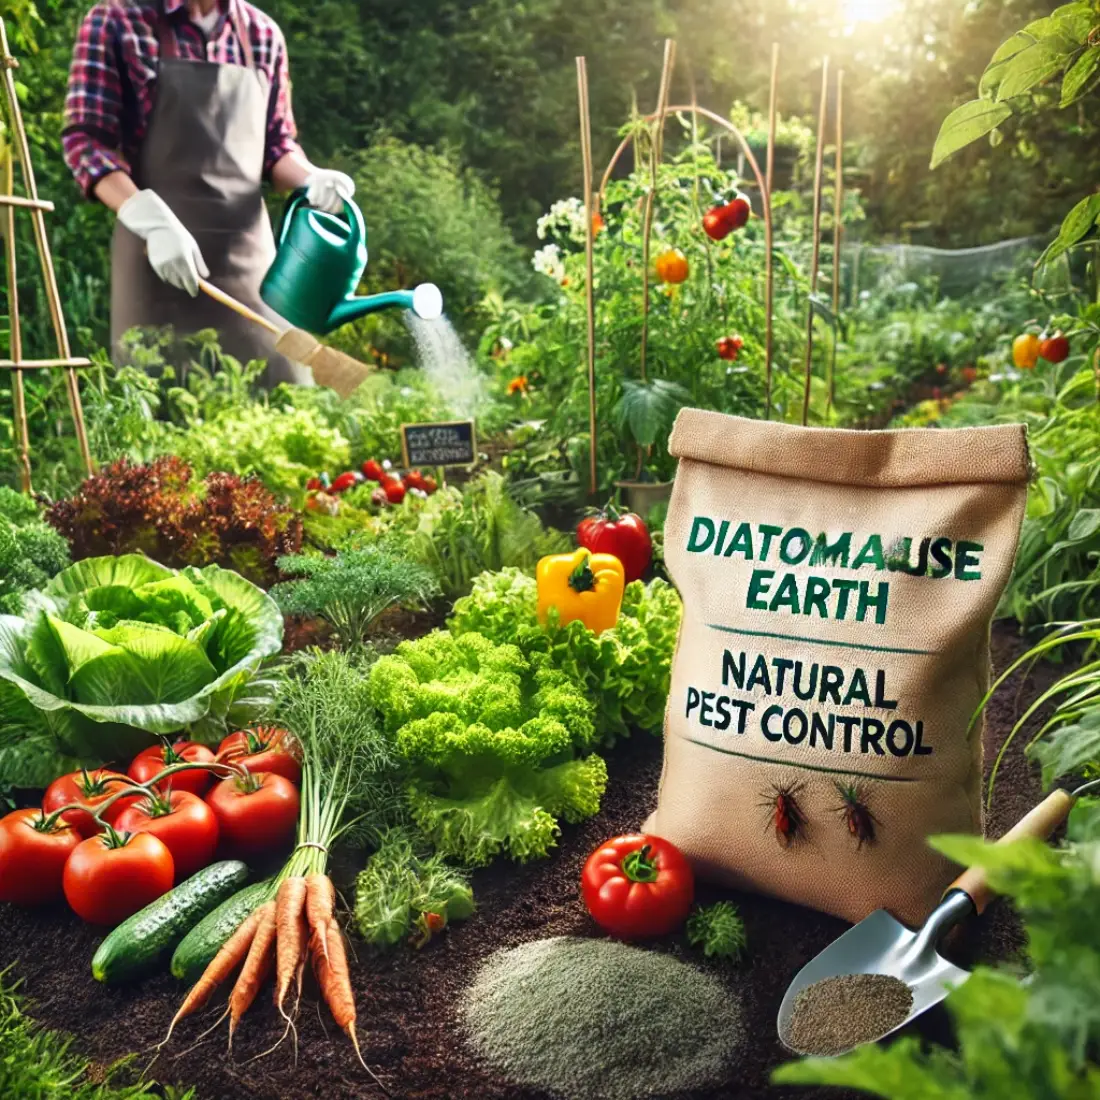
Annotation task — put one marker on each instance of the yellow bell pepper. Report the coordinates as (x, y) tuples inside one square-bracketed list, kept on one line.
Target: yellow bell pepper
[(581, 585)]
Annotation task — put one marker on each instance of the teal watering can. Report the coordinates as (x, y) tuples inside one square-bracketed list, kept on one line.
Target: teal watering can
[(319, 262)]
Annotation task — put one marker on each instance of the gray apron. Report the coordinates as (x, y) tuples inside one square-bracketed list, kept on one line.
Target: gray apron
[(203, 154)]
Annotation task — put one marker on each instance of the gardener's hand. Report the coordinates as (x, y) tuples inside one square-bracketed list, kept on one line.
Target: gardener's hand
[(328, 189), (173, 253)]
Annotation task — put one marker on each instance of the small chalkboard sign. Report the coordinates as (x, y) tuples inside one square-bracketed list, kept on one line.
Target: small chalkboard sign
[(448, 444)]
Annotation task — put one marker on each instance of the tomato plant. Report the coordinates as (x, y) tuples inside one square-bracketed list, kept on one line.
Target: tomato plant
[(111, 876), (256, 813), (638, 886), (152, 761), (33, 851), (93, 789), (262, 749), (622, 534), (187, 826)]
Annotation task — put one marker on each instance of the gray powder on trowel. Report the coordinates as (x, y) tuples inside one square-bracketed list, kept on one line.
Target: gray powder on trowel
[(595, 1019)]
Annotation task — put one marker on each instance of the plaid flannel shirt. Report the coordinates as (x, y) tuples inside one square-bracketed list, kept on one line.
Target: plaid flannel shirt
[(112, 80)]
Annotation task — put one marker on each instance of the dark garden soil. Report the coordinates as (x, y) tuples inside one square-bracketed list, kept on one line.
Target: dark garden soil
[(407, 1005)]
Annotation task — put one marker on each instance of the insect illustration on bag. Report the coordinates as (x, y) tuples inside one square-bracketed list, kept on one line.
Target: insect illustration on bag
[(853, 808), (784, 813)]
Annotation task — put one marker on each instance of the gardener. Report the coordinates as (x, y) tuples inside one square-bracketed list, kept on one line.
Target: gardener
[(176, 112)]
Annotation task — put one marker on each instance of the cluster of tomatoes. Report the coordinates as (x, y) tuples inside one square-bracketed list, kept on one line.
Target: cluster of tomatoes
[(112, 843), (324, 492), (722, 220), (1028, 349), (729, 347)]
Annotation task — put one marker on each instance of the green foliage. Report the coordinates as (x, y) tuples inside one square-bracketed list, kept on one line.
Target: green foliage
[(491, 741), (1028, 1041), (36, 1064), (625, 670), (325, 701), (406, 893), (117, 648), (31, 552), (718, 930), (352, 590)]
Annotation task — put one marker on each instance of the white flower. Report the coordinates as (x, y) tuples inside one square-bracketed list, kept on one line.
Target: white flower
[(506, 344), (565, 221), (547, 261)]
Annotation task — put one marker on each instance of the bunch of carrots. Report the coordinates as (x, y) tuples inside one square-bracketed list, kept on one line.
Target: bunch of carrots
[(344, 770)]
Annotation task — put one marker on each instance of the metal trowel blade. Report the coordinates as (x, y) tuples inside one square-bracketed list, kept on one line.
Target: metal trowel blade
[(880, 944)]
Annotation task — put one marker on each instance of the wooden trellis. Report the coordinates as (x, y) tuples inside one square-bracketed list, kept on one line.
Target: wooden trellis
[(38, 208)]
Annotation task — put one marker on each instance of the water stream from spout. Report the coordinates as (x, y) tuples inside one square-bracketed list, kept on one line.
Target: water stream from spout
[(447, 365)]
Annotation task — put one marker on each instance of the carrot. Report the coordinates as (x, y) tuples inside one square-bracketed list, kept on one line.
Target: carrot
[(232, 952), (290, 921), (320, 906), (256, 967)]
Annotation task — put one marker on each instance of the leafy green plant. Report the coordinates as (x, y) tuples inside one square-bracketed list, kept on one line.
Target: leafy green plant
[(407, 893), (115, 649), (38, 1064), (30, 551), (718, 930), (353, 589), (625, 670), (645, 413), (159, 510), (491, 742), (1032, 1040)]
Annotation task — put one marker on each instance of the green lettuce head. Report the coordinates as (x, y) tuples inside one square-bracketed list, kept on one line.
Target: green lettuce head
[(117, 649)]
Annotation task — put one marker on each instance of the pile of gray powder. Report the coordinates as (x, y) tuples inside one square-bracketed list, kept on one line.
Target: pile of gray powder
[(592, 1019)]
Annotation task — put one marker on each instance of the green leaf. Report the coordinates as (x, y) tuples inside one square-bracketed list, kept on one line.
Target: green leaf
[(1084, 524), (647, 409), (999, 63), (1067, 749), (127, 571), (1031, 67), (1078, 80), (1077, 225), (78, 646), (965, 125)]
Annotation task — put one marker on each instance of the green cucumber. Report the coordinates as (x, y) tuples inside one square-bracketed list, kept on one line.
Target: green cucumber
[(205, 940), (134, 947)]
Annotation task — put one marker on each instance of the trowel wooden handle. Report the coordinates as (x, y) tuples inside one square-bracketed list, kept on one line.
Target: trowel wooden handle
[(1039, 823), (230, 302)]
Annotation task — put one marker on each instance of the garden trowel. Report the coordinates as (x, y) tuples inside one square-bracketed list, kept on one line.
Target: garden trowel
[(879, 944)]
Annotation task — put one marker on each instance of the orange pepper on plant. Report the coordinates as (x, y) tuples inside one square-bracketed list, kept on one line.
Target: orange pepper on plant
[(1025, 351), (581, 586), (672, 266)]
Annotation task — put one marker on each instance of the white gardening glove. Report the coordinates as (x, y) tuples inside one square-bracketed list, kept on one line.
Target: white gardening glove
[(327, 189), (173, 253)]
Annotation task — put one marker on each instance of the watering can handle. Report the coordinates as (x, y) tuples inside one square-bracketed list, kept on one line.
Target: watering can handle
[(351, 211), (1038, 822)]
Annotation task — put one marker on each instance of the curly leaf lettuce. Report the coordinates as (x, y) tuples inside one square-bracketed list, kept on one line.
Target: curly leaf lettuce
[(625, 671), (113, 650), (492, 743)]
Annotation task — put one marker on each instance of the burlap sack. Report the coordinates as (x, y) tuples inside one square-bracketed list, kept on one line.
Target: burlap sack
[(838, 588)]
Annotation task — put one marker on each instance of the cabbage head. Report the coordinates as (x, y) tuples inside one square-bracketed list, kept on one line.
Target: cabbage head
[(115, 650)]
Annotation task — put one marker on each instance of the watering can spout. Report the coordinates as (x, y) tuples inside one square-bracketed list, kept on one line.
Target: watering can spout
[(425, 301)]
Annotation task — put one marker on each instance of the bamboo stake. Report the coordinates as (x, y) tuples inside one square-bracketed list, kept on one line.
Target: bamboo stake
[(15, 331), (815, 257), (650, 199), (838, 233), (26, 204), (769, 258), (37, 364), (38, 221), (589, 264)]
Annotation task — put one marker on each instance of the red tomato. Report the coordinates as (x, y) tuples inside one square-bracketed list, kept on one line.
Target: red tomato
[(32, 858), (344, 481), (111, 876), (263, 749), (314, 485), (716, 225), (414, 479), (372, 470), (970, 375), (638, 886), (395, 491), (737, 213), (622, 534), (1054, 349), (729, 347), (430, 485), (92, 788), (185, 824), (255, 814), (152, 761)]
